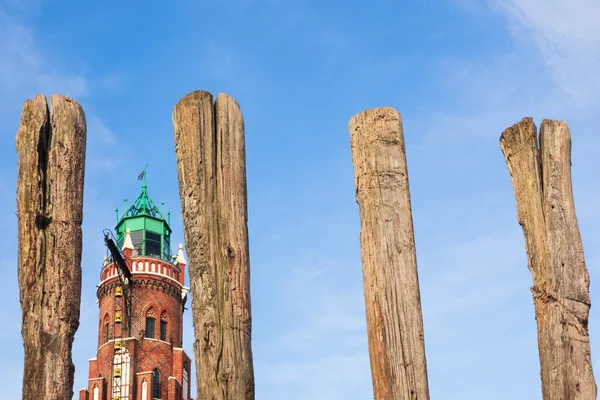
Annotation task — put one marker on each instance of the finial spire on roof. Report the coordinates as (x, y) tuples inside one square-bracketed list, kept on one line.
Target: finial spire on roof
[(143, 204), (180, 257), (128, 243)]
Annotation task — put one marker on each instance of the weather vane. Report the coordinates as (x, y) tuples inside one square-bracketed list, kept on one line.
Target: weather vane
[(141, 176)]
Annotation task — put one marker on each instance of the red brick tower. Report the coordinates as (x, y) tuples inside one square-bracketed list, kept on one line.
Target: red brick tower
[(140, 331)]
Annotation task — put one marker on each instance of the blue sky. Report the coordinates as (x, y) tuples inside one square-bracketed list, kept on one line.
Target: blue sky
[(459, 71)]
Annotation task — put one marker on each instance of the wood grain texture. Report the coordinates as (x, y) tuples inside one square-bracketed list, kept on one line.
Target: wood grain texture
[(541, 177), (51, 148), (210, 149), (393, 304)]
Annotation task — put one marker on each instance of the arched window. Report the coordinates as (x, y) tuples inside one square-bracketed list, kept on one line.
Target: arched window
[(163, 326), (150, 324), (155, 384), (186, 382), (144, 390), (106, 328), (122, 361)]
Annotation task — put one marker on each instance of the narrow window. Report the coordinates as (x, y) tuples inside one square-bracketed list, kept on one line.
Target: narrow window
[(137, 239), (150, 324), (163, 326), (152, 244), (123, 362), (163, 331), (145, 390), (150, 327), (185, 383), (106, 328), (155, 384), (166, 248)]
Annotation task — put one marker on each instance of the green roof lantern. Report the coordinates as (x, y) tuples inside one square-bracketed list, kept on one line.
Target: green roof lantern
[(150, 232)]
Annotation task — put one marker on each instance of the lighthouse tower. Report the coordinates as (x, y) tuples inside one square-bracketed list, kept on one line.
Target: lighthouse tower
[(140, 337)]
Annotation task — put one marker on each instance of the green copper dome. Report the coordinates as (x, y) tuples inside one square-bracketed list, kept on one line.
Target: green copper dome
[(150, 232), (143, 205)]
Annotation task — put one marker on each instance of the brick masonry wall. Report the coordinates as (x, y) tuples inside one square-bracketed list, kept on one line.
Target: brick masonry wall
[(164, 301), (148, 293), (161, 297), (141, 377), (174, 389), (181, 361), (99, 383), (145, 355), (93, 370)]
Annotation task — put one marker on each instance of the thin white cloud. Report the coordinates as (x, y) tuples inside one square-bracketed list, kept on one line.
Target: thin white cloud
[(328, 377), (320, 352), (567, 36), (26, 68), (103, 155), (110, 83), (100, 131)]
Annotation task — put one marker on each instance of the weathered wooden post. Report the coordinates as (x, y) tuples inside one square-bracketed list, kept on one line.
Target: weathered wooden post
[(541, 178), (211, 165), (51, 148), (393, 304)]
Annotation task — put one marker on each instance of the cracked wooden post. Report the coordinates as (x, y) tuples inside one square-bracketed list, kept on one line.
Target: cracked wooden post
[(51, 149), (393, 304), (541, 178), (211, 166)]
